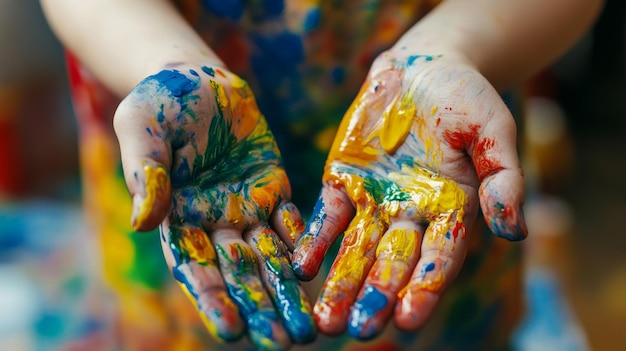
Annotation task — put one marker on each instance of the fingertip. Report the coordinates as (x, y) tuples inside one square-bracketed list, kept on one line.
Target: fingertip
[(369, 313), (505, 221), (288, 224), (308, 257), (414, 308), (265, 331), (222, 318), (301, 328), (327, 320), (501, 198), (152, 202)]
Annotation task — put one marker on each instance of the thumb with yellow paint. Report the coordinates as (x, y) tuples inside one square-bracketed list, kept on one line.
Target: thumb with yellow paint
[(146, 160)]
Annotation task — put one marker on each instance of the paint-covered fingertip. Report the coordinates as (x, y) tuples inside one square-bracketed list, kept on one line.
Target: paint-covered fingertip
[(307, 257), (266, 332), (507, 224), (414, 309), (304, 272), (302, 330), (361, 330), (330, 320)]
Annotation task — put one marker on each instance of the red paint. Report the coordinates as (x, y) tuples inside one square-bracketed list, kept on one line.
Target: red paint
[(458, 228), (308, 257), (485, 165), (460, 140), (506, 212)]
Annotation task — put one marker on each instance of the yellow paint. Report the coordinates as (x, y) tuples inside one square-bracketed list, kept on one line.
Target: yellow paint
[(266, 245), (397, 122), (198, 246), (220, 94), (210, 326), (434, 110), (234, 213), (295, 227), (266, 195), (396, 245), (157, 186), (431, 193), (434, 284)]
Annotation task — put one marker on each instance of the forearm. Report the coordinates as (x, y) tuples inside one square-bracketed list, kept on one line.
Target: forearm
[(507, 41), (124, 41)]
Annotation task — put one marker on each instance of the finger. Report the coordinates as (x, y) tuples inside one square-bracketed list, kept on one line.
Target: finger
[(239, 268), (396, 256), (494, 154), (354, 260), (289, 297), (192, 259), (287, 222), (146, 160), (330, 217), (443, 250)]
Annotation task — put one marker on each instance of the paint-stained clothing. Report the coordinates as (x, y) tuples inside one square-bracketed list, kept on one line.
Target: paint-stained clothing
[(305, 61)]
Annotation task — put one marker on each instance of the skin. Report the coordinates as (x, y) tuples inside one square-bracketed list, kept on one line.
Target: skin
[(485, 44), (212, 173), (425, 140)]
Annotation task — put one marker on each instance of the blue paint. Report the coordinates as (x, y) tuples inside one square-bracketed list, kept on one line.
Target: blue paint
[(314, 226), (181, 277), (338, 74), (312, 20), (208, 70), (284, 48), (287, 299), (160, 115), (499, 226), (149, 131), (412, 58), (231, 9), (259, 326), (182, 174), (429, 267), (363, 312), (194, 73), (177, 83), (273, 7)]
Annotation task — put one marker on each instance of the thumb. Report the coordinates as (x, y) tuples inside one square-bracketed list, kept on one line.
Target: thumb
[(501, 192), (146, 161)]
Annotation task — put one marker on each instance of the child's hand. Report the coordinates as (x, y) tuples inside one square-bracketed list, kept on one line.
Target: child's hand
[(198, 156), (425, 139)]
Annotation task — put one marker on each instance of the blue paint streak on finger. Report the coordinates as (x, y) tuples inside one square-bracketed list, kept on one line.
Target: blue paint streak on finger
[(362, 325)]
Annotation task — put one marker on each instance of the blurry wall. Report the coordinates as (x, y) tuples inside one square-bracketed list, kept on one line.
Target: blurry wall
[(37, 130)]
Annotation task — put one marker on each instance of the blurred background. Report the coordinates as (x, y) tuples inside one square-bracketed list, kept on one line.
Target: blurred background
[(572, 138)]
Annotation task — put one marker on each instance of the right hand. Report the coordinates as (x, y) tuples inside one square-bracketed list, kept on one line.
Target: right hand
[(199, 158)]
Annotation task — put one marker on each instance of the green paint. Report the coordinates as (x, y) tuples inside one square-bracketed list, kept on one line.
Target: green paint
[(384, 190)]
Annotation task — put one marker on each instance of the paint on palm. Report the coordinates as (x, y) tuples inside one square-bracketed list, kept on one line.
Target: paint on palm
[(232, 179), (389, 168)]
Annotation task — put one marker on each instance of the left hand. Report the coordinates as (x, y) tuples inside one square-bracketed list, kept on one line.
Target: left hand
[(425, 139)]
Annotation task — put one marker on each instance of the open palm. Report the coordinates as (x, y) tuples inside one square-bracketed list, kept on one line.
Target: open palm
[(426, 139), (198, 156)]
